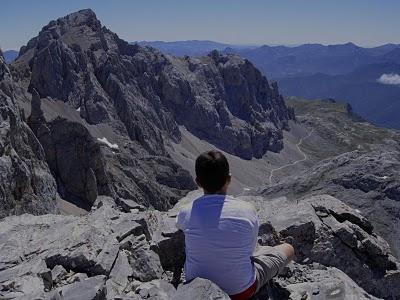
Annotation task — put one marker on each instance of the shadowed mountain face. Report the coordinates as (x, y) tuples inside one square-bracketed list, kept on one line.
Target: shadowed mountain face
[(26, 184), (133, 98)]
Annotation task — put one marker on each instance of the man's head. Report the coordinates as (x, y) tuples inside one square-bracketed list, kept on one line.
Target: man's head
[(212, 172)]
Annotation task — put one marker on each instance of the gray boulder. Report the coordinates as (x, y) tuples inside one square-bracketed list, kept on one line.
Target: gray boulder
[(89, 289), (200, 289), (157, 290), (316, 282)]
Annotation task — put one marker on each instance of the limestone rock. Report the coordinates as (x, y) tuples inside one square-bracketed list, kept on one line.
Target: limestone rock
[(89, 289), (328, 232), (156, 289), (317, 282), (200, 289), (338, 254), (119, 276), (87, 259), (58, 273)]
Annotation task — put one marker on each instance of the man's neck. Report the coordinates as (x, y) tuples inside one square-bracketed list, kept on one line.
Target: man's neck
[(216, 193)]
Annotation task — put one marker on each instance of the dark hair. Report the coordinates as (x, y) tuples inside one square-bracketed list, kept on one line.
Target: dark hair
[(212, 170)]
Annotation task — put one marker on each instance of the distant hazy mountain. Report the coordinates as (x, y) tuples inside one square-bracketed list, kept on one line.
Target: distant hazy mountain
[(281, 61), (10, 55), (191, 48), (345, 72), (372, 90)]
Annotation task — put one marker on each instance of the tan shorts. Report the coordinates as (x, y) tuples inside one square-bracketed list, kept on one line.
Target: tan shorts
[(268, 263)]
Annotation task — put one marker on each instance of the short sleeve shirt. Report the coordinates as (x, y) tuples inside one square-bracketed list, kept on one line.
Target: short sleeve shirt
[(220, 237)]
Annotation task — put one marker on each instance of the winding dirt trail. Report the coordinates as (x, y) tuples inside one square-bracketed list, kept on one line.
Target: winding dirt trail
[(297, 161)]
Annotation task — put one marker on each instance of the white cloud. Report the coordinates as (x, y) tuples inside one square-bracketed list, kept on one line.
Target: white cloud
[(105, 141), (392, 78)]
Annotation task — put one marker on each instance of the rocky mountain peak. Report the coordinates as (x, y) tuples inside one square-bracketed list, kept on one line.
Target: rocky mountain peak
[(85, 17), (70, 28)]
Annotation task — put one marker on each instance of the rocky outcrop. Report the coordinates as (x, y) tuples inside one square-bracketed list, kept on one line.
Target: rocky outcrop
[(111, 254), (26, 184), (328, 232), (368, 182), (76, 253), (315, 281), (107, 254)]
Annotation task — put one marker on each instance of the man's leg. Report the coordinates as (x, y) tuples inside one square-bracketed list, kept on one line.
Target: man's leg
[(270, 261)]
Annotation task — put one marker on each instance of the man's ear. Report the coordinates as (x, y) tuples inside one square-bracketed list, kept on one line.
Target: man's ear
[(228, 179), (198, 183)]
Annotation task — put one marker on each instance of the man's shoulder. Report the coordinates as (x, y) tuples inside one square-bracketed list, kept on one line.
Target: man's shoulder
[(231, 203), (185, 209), (240, 208), (241, 204), (181, 218)]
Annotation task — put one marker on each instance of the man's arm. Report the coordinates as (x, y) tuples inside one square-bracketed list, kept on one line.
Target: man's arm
[(179, 220)]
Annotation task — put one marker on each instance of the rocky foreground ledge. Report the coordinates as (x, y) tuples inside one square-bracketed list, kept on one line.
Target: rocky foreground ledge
[(126, 253)]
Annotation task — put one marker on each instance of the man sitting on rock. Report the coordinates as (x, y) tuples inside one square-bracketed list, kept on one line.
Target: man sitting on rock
[(221, 235)]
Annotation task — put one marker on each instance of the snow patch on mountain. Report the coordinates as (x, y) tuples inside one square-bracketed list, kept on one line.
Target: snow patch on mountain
[(105, 141)]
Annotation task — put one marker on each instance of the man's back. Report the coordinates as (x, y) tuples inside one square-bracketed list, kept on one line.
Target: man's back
[(220, 237)]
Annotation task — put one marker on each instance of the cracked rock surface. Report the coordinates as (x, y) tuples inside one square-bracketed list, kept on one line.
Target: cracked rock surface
[(112, 254)]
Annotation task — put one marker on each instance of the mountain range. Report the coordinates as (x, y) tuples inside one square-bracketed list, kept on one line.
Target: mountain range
[(182, 48), (98, 140), (281, 61), (10, 55), (346, 72), (373, 98)]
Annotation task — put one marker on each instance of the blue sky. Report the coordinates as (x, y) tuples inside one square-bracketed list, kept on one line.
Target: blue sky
[(364, 22)]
